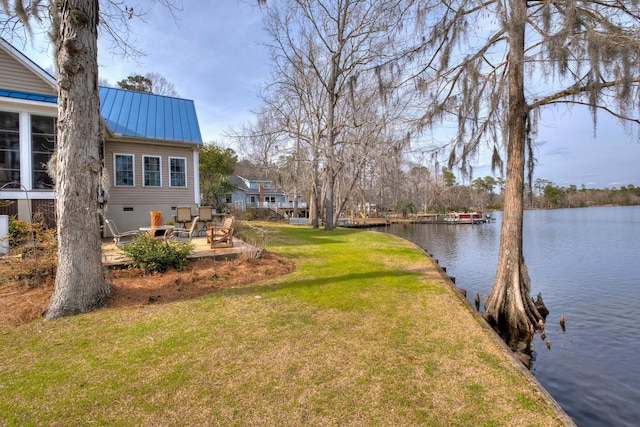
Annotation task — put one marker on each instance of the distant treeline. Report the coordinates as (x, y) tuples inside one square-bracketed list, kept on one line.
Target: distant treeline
[(551, 196), (487, 193)]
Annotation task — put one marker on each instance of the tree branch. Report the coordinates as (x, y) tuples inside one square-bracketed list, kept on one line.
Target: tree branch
[(575, 90)]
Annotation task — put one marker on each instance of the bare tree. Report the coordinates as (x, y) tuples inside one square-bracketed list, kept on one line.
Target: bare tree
[(478, 55), (260, 142), (420, 180), (161, 86), (336, 48), (293, 108), (73, 29)]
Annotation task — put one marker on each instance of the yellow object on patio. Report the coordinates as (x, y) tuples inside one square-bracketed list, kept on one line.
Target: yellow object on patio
[(156, 218)]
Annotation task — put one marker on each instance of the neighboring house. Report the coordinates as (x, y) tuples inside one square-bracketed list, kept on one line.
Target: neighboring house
[(259, 194), (150, 151)]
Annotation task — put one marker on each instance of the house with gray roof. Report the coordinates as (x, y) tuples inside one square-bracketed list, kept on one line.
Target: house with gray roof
[(150, 152), (261, 194)]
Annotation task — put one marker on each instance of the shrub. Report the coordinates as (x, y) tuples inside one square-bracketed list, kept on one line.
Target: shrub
[(18, 231), (36, 249), (156, 255), (256, 237), (25, 237), (251, 214)]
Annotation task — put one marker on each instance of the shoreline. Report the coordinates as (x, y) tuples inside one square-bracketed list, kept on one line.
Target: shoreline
[(560, 412)]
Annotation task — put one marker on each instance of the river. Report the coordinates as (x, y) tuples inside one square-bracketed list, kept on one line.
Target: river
[(585, 262)]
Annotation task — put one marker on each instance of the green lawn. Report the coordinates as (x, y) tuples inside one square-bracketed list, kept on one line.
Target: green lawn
[(364, 333)]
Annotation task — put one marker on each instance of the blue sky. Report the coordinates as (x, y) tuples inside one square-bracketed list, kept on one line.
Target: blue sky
[(215, 55)]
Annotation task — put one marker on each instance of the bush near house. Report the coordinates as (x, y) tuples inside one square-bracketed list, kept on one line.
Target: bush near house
[(156, 255), (18, 231), (35, 253)]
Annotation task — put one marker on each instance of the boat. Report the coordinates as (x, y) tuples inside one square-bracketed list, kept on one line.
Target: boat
[(466, 218)]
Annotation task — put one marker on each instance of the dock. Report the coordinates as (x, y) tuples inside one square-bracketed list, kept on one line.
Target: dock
[(421, 218)]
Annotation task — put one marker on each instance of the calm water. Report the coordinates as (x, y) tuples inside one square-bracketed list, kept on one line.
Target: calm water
[(585, 264)]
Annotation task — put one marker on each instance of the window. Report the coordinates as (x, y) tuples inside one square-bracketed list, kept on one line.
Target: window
[(43, 145), (151, 167), (123, 166), (177, 172), (9, 147), (270, 199)]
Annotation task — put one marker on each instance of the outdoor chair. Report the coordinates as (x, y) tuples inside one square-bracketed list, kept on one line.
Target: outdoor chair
[(220, 236), (205, 214), (121, 239), (184, 234), (183, 215)]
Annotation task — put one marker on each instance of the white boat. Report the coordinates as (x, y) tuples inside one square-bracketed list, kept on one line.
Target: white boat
[(467, 218)]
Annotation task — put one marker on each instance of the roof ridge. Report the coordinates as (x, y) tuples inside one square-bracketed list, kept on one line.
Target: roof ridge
[(144, 93)]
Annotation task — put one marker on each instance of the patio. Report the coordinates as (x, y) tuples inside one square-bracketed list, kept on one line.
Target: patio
[(113, 256)]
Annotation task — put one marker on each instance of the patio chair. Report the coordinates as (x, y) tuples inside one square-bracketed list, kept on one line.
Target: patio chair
[(183, 215), (184, 234), (205, 214), (221, 236), (121, 239)]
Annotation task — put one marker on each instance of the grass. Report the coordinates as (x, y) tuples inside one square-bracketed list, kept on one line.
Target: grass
[(364, 332)]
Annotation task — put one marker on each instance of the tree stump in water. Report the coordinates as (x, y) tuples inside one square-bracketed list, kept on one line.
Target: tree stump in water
[(542, 309)]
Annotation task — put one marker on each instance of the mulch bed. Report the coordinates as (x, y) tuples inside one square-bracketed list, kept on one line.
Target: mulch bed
[(23, 300)]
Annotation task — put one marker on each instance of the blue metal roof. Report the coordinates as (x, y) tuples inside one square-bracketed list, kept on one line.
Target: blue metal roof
[(28, 96), (146, 115), (138, 114)]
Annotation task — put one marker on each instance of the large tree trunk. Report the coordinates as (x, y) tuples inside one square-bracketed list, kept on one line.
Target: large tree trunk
[(509, 306), (330, 197), (329, 167), (314, 208), (80, 285)]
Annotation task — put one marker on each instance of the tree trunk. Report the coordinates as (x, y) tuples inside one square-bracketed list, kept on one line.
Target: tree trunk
[(330, 174), (314, 208), (80, 285), (330, 195), (509, 306)]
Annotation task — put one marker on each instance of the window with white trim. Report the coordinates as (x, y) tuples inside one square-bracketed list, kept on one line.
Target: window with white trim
[(43, 145), (124, 170), (178, 172), (151, 171), (9, 147)]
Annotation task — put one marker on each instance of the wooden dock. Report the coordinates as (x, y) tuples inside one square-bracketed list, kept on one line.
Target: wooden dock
[(422, 218), (363, 222)]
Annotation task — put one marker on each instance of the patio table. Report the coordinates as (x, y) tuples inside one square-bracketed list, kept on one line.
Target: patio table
[(159, 232)]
